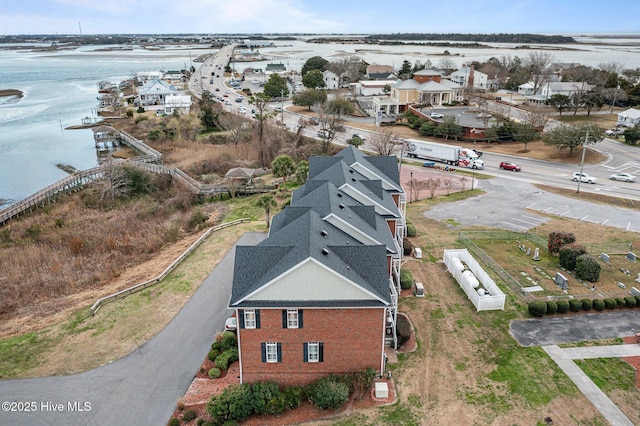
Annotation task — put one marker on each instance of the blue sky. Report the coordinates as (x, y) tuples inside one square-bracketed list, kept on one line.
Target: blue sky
[(318, 16)]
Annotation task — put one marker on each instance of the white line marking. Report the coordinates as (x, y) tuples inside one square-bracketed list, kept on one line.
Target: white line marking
[(517, 226), (585, 217), (605, 222)]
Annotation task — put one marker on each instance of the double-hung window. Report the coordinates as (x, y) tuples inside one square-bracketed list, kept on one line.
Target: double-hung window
[(250, 318), (271, 352), (313, 352), (292, 318)]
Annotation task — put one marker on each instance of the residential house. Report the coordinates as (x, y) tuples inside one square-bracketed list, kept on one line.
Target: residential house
[(380, 72), (180, 104), (550, 88), (319, 294), (629, 118), (154, 92), (331, 80), (275, 69), (426, 87), (470, 79)]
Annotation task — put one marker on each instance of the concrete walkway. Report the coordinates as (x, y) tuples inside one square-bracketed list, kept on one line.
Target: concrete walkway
[(564, 358), (141, 388)]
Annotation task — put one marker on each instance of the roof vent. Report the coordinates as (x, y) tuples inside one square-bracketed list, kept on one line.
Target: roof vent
[(325, 251), (340, 194), (341, 206), (323, 233), (350, 170), (353, 179)]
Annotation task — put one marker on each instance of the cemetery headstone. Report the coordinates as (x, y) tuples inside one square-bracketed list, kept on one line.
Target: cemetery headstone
[(562, 281), (631, 257), (529, 251), (604, 257), (536, 254)]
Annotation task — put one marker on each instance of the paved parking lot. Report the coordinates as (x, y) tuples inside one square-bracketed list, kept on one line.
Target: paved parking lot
[(506, 202)]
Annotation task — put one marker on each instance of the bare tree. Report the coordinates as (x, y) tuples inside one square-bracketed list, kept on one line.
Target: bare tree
[(237, 126), (190, 126), (114, 183), (261, 100), (611, 67), (538, 116), (448, 184), (329, 124), (463, 182), (538, 63), (447, 65), (383, 142), (432, 185)]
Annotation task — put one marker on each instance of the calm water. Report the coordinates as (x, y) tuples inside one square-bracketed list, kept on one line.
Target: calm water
[(61, 88)]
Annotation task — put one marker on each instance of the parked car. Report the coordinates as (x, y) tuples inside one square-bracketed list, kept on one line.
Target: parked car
[(614, 132), (435, 115), (231, 324), (239, 99), (278, 109), (583, 177), (508, 165), (313, 121), (323, 134), (625, 177)]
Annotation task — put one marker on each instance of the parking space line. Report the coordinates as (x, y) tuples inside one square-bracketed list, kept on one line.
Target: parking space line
[(565, 213), (604, 222), (530, 206), (584, 217), (517, 226), (527, 222)]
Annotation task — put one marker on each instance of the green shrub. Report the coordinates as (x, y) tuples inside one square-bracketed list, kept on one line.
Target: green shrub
[(174, 422), (292, 396), (563, 306), (140, 110), (609, 303), (214, 373), (403, 328), (328, 394), (230, 423), (637, 299), (620, 303), (222, 361), (411, 230), (568, 255), (537, 308), (213, 354), (267, 398), (552, 307), (229, 340), (598, 305), (406, 279), (217, 346), (197, 219), (200, 422), (234, 355), (587, 268), (129, 113), (630, 302), (407, 247), (587, 304), (234, 403), (575, 305), (189, 415)]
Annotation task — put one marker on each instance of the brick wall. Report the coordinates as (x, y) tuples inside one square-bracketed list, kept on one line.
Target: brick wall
[(352, 340)]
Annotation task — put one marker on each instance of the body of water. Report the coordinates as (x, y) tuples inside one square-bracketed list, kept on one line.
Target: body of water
[(60, 88)]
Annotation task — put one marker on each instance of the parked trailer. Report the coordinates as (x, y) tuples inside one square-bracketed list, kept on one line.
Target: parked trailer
[(448, 154)]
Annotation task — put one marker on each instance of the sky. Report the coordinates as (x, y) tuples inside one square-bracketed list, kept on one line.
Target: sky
[(566, 17)]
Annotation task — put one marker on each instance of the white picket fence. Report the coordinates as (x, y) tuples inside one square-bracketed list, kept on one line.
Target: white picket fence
[(476, 283)]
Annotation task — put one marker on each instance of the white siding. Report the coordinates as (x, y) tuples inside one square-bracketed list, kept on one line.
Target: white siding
[(311, 281)]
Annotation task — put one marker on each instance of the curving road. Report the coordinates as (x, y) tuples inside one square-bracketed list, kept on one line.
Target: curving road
[(141, 388)]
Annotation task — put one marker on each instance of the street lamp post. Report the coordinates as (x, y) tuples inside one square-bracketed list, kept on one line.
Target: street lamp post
[(282, 104), (411, 188)]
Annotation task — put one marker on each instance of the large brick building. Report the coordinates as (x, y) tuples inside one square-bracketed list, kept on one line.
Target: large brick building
[(320, 294)]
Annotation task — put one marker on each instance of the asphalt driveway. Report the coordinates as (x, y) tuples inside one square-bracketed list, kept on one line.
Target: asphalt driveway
[(141, 388), (575, 328)]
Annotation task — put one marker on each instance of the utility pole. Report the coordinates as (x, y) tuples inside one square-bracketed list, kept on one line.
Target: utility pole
[(584, 149)]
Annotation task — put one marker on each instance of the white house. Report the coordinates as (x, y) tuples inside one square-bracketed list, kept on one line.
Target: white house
[(178, 103), (629, 118), (331, 80), (550, 88), (154, 92), (466, 76)]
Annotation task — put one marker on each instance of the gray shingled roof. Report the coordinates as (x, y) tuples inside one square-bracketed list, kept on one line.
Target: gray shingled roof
[(384, 166), (300, 239)]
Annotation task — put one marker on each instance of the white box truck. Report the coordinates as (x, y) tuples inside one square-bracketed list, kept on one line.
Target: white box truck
[(449, 154)]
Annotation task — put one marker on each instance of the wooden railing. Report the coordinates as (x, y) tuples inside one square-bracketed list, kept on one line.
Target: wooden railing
[(141, 286)]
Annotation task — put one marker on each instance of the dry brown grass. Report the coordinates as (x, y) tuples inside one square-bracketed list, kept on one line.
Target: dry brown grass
[(71, 247)]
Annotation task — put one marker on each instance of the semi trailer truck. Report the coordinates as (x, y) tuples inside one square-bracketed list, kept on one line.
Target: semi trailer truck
[(449, 154)]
